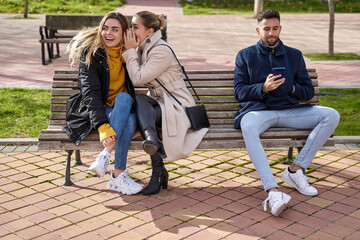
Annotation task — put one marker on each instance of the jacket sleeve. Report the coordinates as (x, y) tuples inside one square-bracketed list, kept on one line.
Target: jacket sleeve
[(91, 90), (245, 89), (304, 89), (158, 60)]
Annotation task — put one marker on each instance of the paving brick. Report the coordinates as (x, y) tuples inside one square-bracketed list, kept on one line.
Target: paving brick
[(282, 235), (128, 235), (256, 214), (320, 202), (165, 235), (328, 215), (321, 235), (349, 222), (55, 224), (201, 208), (18, 224), (32, 232), (299, 230), (222, 229), (204, 234), (41, 217), (338, 230), (11, 236), (166, 222), (147, 230), (27, 210), (109, 231), (129, 223)]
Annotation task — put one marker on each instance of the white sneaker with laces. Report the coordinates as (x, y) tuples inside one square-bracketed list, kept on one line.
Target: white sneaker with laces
[(124, 184), (277, 202), (299, 181), (101, 163)]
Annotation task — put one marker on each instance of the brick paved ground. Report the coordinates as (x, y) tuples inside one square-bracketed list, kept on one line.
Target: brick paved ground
[(212, 195)]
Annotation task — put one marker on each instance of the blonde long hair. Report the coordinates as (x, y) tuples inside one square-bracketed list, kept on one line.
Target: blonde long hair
[(89, 40)]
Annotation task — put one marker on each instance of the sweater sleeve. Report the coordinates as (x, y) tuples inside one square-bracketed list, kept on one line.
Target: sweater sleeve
[(106, 131)]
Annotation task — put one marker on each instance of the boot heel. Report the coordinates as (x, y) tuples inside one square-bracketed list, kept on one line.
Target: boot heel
[(164, 179)]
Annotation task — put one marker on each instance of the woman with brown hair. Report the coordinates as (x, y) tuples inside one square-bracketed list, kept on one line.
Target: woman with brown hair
[(151, 63)]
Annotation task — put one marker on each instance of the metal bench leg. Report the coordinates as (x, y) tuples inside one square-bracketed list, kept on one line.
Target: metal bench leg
[(290, 155), (67, 181), (77, 158)]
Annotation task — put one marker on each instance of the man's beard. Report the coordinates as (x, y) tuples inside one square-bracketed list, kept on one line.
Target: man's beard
[(276, 40)]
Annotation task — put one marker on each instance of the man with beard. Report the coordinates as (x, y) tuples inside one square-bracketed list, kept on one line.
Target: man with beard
[(270, 99)]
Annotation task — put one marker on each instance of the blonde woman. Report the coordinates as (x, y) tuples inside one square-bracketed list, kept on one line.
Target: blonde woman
[(148, 58), (105, 101)]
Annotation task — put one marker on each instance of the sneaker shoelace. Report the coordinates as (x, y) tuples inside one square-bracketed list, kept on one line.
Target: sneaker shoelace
[(303, 180), (128, 181)]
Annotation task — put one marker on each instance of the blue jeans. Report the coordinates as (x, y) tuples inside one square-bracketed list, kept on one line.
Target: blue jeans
[(124, 124), (323, 119)]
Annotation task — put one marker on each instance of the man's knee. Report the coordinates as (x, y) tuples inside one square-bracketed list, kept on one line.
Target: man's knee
[(332, 115), (247, 122)]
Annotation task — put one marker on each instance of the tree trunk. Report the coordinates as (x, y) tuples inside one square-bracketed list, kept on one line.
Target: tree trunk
[(258, 7), (26, 8), (331, 27)]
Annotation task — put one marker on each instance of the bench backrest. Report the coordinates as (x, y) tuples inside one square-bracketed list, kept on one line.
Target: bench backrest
[(78, 22), (215, 89)]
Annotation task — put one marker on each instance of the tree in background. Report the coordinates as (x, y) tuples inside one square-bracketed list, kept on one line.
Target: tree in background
[(258, 7), (331, 27), (26, 8)]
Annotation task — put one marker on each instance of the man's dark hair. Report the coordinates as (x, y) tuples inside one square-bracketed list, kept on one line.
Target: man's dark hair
[(268, 13)]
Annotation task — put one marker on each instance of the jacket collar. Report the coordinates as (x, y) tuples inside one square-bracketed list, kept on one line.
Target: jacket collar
[(146, 46), (266, 50)]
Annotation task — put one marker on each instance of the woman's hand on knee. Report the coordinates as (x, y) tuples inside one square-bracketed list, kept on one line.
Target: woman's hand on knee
[(109, 141)]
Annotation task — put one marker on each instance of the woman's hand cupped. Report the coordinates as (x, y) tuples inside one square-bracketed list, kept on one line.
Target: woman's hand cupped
[(130, 40)]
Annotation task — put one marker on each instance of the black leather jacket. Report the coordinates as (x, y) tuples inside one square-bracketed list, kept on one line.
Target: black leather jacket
[(85, 110)]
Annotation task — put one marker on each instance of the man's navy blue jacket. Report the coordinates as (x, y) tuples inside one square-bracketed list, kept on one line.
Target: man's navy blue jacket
[(254, 64)]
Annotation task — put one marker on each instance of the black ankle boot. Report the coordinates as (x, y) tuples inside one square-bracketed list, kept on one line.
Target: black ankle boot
[(152, 143), (159, 176)]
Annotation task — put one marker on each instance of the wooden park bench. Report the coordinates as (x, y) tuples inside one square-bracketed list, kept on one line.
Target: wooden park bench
[(60, 29), (215, 89)]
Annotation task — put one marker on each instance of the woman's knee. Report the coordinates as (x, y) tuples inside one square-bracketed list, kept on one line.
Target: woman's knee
[(124, 98)]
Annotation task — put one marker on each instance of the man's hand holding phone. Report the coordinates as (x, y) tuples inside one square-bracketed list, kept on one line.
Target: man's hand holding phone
[(274, 80)]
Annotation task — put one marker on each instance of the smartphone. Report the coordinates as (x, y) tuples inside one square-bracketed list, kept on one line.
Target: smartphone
[(279, 70)]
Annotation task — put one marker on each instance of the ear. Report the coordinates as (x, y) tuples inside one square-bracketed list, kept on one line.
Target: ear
[(150, 31), (258, 30)]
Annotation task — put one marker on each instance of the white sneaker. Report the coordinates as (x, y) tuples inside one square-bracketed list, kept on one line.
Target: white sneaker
[(299, 181), (124, 184), (277, 202), (101, 163)]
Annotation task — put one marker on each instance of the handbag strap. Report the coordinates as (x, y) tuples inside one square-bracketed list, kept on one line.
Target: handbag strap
[(168, 91), (183, 70)]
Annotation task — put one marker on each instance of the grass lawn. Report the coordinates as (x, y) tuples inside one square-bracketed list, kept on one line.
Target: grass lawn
[(61, 7), (335, 57), (348, 105), (196, 7), (24, 112)]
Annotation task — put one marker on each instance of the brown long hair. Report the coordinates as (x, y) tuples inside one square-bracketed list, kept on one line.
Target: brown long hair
[(152, 20), (89, 40)]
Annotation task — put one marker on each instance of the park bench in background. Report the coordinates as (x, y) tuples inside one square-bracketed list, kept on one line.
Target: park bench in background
[(62, 28), (216, 91)]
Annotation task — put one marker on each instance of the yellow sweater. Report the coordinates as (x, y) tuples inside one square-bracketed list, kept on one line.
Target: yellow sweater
[(117, 85)]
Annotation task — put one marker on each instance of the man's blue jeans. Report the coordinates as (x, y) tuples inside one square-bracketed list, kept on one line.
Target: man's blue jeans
[(124, 124), (323, 119)]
